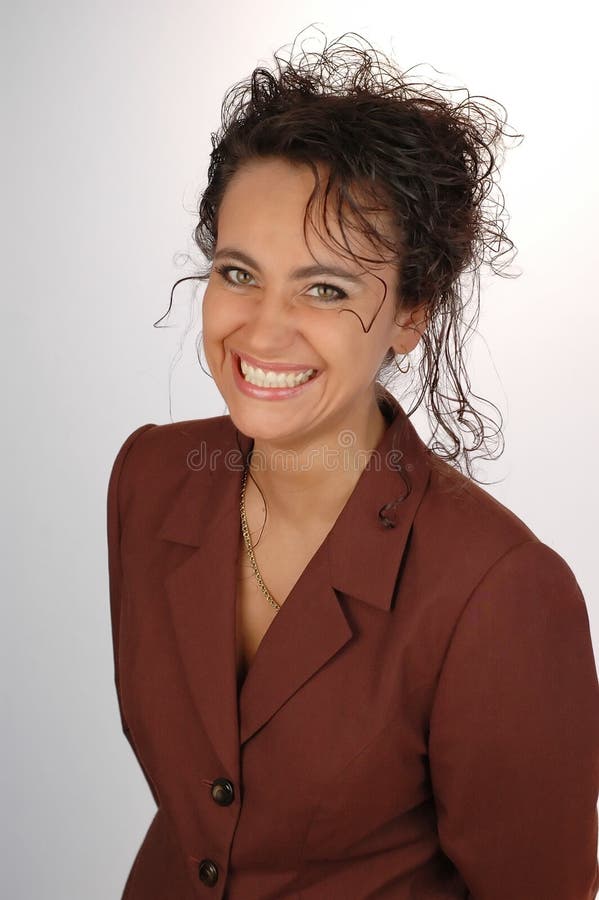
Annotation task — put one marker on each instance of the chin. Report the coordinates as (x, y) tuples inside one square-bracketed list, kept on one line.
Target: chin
[(265, 426)]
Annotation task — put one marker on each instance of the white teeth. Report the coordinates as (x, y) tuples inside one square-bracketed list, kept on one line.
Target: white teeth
[(274, 379)]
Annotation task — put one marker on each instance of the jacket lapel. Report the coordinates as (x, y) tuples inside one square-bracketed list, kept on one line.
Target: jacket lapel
[(200, 593), (200, 598), (307, 631), (360, 557)]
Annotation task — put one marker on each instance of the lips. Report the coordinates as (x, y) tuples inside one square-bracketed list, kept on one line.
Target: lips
[(273, 367), (268, 393)]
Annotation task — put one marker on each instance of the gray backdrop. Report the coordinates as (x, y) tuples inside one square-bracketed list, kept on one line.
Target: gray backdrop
[(108, 111)]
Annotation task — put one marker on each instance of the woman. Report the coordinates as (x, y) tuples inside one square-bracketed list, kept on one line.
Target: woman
[(345, 669)]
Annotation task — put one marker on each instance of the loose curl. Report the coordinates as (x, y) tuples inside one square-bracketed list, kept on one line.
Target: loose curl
[(430, 163)]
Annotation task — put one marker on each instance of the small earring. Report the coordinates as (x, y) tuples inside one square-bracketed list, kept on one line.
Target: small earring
[(403, 371)]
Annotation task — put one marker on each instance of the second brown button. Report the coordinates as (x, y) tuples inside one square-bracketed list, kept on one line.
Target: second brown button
[(223, 792)]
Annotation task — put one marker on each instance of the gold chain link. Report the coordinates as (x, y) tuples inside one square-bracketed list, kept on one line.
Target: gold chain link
[(248, 545)]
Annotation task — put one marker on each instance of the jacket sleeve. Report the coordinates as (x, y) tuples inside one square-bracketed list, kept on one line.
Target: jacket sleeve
[(114, 552), (514, 735)]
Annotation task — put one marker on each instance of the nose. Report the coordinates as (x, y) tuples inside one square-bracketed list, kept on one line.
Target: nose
[(272, 314)]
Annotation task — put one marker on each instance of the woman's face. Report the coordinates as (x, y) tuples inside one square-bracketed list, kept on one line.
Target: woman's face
[(262, 309)]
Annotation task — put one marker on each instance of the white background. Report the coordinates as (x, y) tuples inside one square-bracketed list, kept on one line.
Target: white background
[(108, 114)]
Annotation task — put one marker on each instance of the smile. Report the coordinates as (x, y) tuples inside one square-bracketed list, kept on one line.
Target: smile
[(261, 384), (269, 378)]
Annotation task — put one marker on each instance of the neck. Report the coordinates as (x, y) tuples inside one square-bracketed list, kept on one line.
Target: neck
[(313, 481)]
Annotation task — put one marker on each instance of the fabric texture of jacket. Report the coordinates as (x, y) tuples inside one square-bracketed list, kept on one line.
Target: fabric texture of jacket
[(420, 720)]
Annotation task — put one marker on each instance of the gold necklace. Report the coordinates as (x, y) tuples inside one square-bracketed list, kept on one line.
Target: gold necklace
[(248, 544)]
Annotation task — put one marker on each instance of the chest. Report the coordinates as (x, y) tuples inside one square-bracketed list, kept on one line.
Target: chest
[(281, 560)]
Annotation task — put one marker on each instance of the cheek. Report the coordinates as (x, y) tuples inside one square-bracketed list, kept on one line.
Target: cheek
[(218, 316), (348, 344)]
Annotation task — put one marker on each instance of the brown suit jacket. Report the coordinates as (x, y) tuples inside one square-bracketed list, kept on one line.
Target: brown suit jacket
[(420, 722)]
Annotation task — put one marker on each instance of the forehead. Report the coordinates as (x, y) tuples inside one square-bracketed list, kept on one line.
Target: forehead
[(265, 204)]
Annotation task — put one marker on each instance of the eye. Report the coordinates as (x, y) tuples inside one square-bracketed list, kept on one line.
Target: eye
[(341, 295), (224, 271)]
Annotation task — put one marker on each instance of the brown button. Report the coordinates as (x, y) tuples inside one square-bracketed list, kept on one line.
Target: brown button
[(223, 792), (208, 872)]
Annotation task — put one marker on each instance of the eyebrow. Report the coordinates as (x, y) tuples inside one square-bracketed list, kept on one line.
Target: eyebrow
[(302, 272)]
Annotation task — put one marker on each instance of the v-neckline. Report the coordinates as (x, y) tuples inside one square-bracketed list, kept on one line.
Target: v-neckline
[(242, 678), (241, 681)]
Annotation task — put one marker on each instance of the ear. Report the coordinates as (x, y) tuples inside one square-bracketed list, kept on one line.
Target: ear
[(408, 328)]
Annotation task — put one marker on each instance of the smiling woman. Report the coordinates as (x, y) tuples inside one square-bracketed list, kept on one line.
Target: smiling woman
[(386, 687), (273, 313)]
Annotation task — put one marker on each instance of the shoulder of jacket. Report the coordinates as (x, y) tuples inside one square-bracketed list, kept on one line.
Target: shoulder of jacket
[(470, 529), (528, 566), (484, 552), (456, 500), (150, 440), (164, 452)]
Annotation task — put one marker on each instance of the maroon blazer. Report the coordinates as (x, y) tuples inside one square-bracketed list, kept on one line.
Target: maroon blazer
[(420, 721)]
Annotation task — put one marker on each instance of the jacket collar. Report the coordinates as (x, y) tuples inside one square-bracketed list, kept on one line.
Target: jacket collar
[(367, 542)]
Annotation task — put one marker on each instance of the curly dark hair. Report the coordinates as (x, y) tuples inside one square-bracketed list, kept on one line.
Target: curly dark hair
[(431, 163)]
